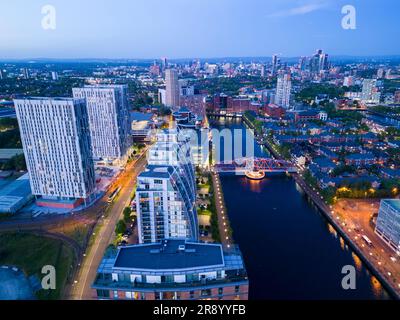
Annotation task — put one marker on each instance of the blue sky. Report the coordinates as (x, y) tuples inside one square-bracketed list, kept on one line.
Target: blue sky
[(196, 28)]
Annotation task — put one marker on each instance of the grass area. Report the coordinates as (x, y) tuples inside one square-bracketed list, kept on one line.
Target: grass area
[(31, 252)]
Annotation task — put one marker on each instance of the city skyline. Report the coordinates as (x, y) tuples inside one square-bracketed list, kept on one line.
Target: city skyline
[(288, 28)]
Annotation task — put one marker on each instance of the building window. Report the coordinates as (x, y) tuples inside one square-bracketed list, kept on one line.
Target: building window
[(206, 293), (237, 289), (103, 293), (220, 291)]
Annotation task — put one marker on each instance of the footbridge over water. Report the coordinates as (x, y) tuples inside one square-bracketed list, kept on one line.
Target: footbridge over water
[(242, 166)]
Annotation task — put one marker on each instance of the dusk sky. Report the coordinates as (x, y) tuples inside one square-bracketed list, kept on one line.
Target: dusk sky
[(196, 28)]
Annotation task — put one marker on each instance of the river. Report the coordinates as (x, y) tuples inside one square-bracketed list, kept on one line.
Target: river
[(290, 250)]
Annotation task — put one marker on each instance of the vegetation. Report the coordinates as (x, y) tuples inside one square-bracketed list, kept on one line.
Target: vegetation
[(127, 215), (120, 228), (309, 93), (30, 253), (15, 163)]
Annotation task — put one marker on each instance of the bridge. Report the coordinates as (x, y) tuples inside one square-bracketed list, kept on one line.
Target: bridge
[(245, 165)]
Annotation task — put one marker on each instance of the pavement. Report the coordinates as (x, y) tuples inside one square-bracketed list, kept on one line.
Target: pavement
[(86, 273), (223, 220)]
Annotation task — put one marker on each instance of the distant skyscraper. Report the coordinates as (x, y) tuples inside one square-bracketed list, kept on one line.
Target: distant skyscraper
[(56, 142), (164, 63), (275, 64), (318, 62), (172, 88), (1, 74), (107, 107), (25, 72), (302, 63), (262, 71), (54, 76), (166, 192), (283, 90)]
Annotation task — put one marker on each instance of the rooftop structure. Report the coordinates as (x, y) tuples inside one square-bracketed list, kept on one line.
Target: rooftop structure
[(172, 270)]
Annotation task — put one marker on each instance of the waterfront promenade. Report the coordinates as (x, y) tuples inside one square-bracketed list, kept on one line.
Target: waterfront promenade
[(223, 220)]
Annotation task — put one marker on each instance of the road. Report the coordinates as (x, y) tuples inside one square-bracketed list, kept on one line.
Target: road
[(357, 215), (85, 276)]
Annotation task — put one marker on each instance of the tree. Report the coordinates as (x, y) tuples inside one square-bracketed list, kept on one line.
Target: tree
[(120, 228), (127, 214)]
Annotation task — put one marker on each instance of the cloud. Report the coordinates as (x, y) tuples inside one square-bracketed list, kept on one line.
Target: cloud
[(304, 9)]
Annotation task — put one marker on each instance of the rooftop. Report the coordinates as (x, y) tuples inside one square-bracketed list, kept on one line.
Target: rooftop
[(170, 255)]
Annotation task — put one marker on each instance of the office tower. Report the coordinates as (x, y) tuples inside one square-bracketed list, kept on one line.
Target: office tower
[(283, 90), (302, 63), (107, 108), (164, 63), (172, 88), (1, 74), (166, 192), (25, 73), (388, 223), (54, 76), (262, 71), (56, 142), (370, 93), (275, 64)]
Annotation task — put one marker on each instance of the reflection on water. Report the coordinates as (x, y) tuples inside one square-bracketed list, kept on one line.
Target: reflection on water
[(291, 254), (376, 286), (357, 261)]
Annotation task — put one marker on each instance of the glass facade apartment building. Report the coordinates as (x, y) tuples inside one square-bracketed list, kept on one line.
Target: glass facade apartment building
[(388, 223), (108, 114)]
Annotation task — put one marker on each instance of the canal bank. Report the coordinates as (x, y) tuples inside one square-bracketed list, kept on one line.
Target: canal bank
[(319, 203), (392, 288), (289, 248)]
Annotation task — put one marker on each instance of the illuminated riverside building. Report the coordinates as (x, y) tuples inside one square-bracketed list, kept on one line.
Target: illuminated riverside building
[(172, 270), (108, 113), (56, 142), (388, 223), (166, 191)]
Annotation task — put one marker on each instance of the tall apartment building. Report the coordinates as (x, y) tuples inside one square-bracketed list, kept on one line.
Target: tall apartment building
[(283, 90), (108, 112), (370, 93), (166, 192), (56, 142), (388, 223), (172, 88)]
